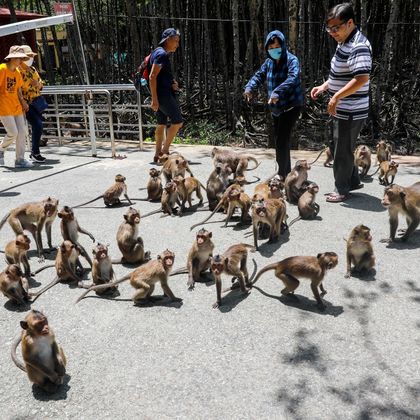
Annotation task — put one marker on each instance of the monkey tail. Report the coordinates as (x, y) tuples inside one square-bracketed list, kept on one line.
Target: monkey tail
[(251, 247), (103, 286), (252, 159), (88, 202), (15, 359), (4, 220), (202, 186), (377, 169), (152, 213), (43, 268), (319, 155), (295, 220), (263, 270), (219, 204), (183, 270), (42, 291)]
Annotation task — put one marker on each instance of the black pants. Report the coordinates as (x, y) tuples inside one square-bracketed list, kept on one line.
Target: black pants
[(283, 125), (345, 134)]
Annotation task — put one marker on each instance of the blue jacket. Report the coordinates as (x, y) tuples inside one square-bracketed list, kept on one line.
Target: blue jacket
[(283, 79)]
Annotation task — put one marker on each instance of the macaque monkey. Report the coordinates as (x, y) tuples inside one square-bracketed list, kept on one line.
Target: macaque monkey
[(383, 151), (175, 165), (261, 192), (13, 285), (70, 229), (295, 180), (198, 260), (154, 185), (65, 267), (169, 200), (237, 198), (404, 200), (131, 245), (329, 157), (16, 252), (269, 211), (387, 169), (232, 262), (363, 159), (33, 217), (112, 195), (223, 203), (359, 250), (217, 183), (144, 278), (308, 208), (238, 162), (276, 185), (312, 268), (45, 362), (185, 188), (102, 271)]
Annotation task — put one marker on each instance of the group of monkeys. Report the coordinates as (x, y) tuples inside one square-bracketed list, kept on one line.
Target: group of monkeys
[(44, 360)]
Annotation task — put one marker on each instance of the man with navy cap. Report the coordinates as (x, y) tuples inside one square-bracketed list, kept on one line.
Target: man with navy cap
[(163, 87)]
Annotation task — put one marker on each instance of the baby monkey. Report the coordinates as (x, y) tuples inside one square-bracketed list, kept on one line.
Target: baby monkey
[(359, 250), (308, 208), (45, 362), (112, 195), (185, 188), (362, 159), (144, 278), (16, 252), (13, 285), (233, 262), (154, 185), (387, 169), (312, 268)]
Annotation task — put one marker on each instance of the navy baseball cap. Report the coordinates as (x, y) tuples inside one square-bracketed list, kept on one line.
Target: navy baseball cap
[(168, 33)]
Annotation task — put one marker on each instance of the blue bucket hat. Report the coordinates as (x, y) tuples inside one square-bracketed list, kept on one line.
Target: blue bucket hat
[(168, 33)]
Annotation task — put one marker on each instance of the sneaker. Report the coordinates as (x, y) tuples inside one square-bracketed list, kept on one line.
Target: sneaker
[(1, 158), (37, 158), (23, 163)]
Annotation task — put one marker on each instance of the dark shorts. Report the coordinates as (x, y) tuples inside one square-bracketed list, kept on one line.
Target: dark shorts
[(169, 110)]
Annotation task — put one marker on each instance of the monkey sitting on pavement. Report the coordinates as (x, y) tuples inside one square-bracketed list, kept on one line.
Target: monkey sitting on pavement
[(198, 260), (13, 285), (16, 253), (359, 250), (295, 180), (45, 362), (308, 208), (312, 268)]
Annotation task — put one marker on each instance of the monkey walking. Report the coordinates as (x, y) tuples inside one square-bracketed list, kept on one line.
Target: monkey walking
[(232, 262), (70, 229), (65, 266), (45, 362), (144, 278), (13, 285), (174, 165), (387, 169), (198, 260), (185, 188), (359, 250), (238, 162), (271, 212), (383, 152), (16, 253), (295, 180), (130, 244), (33, 217), (112, 195), (238, 199), (404, 200), (308, 208), (312, 268), (363, 159)]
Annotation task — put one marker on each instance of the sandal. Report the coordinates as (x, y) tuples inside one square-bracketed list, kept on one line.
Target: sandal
[(337, 198)]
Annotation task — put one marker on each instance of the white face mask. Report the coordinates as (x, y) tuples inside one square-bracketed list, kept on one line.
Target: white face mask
[(29, 62)]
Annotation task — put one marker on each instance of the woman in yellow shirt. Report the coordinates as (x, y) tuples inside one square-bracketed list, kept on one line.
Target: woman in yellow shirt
[(13, 106), (31, 89)]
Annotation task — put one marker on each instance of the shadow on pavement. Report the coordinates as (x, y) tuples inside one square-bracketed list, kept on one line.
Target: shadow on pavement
[(361, 201), (61, 394)]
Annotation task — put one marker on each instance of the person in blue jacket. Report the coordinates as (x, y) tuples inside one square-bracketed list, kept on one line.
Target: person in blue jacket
[(281, 72)]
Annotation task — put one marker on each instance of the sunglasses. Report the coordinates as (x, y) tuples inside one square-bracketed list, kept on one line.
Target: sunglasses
[(334, 29)]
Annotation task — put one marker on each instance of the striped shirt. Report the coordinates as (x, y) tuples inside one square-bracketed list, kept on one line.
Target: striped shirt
[(352, 58)]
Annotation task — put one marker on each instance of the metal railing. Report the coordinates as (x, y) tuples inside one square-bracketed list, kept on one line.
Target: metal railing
[(88, 113)]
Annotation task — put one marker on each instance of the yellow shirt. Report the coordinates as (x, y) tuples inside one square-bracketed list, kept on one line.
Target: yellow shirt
[(29, 91), (10, 82)]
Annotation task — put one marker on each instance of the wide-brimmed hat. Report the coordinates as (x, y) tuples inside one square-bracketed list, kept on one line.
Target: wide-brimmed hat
[(168, 33), (28, 51), (16, 51)]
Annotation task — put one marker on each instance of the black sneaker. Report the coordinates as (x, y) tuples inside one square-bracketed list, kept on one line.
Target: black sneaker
[(37, 158)]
